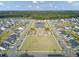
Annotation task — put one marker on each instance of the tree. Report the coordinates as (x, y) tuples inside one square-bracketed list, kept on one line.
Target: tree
[(33, 29), (47, 29)]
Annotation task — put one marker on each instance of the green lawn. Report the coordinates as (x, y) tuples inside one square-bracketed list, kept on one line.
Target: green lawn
[(63, 24), (75, 35), (39, 43), (4, 35)]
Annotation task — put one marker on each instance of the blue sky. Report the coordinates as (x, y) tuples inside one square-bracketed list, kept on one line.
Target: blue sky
[(39, 5)]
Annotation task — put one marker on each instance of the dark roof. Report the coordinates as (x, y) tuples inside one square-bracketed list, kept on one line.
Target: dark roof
[(5, 45), (74, 43)]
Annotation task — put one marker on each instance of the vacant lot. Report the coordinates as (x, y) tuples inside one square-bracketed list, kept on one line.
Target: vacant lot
[(39, 43), (39, 39)]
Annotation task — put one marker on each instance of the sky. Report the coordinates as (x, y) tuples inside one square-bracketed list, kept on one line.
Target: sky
[(39, 5)]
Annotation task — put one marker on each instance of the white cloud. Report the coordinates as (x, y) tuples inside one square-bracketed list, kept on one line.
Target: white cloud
[(42, 1), (34, 1), (1, 4), (7, 7), (75, 4), (37, 6), (50, 5), (55, 6), (70, 2)]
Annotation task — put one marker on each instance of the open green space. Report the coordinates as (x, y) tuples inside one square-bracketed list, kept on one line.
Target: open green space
[(63, 24), (75, 35), (4, 35), (39, 43), (41, 40)]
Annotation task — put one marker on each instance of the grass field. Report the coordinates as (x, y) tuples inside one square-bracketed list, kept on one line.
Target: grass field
[(39, 43), (63, 24), (4, 35)]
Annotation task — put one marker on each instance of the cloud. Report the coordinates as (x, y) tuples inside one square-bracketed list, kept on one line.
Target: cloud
[(50, 5), (7, 7), (34, 1), (75, 4), (55, 6), (1, 4), (42, 1), (37, 6), (70, 2)]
